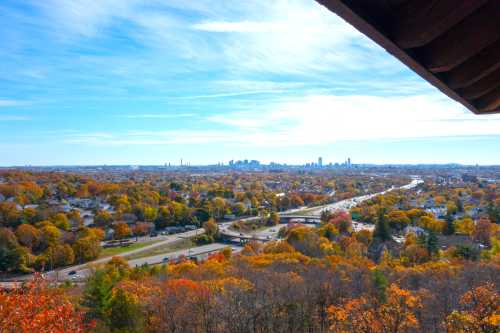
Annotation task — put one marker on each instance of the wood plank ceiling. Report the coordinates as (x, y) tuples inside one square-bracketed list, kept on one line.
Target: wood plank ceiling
[(453, 44)]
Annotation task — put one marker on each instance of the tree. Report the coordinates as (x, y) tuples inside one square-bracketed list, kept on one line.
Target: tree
[(449, 228), (342, 221), (380, 283), (98, 293), (125, 313), (396, 314), (465, 226), (122, 230), (61, 221), (239, 209), (274, 218), (61, 255), (430, 242), (86, 248), (382, 228), (480, 313), (398, 219), (9, 215), (13, 257), (103, 219), (211, 228), (50, 236), (38, 308), (467, 252), (164, 218), (142, 228), (28, 235), (483, 231)]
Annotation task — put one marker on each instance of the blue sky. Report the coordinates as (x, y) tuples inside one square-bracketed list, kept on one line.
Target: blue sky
[(151, 82)]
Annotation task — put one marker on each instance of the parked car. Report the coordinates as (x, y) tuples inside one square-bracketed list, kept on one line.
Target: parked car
[(72, 273)]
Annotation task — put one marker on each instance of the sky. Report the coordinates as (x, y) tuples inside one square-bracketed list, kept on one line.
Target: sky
[(87, 82)]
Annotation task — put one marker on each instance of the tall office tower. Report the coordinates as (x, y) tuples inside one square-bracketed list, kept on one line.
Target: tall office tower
[(348, 162), (320, 162)]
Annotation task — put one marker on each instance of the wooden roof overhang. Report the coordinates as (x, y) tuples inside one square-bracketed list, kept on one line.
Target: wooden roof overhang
[(453, 44)]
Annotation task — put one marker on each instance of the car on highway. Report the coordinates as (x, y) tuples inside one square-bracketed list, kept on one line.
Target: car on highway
[(166, 259), (72, 273)]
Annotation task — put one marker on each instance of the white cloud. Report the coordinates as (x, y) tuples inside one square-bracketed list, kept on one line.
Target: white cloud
[(157, 116), (85, 17), (13, 118), (241, 26), (10, 102), (327, 119), (319, 120)]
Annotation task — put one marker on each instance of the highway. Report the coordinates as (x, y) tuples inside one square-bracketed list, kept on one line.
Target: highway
[(201, 252), (271, 233), (82, 270)]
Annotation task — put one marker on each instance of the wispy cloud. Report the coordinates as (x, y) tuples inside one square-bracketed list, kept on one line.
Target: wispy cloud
[(11, 102), (259, 73), (317, 120), (157, 116), (13, 118)]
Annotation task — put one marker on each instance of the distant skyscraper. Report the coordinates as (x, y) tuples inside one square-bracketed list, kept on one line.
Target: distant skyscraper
[(348, 162), (320, 161)]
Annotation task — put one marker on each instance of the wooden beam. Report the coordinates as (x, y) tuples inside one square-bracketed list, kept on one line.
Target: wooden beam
[(481, 87), (344, 11), (489, 102), (419, 22), (475, 69), (463, 41)]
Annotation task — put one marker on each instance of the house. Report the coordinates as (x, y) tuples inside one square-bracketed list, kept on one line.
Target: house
[(438, 212), (429, 203), (473, 212), (415, 230)]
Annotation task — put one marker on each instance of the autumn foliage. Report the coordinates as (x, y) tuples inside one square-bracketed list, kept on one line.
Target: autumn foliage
[(38, 308)]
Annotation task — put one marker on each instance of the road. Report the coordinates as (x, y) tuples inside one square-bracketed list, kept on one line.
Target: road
[(271, 233), (267, 234), (349, 203), (83, 268), (200, 252)]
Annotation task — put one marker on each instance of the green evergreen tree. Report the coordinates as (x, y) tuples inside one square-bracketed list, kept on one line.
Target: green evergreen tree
[(449, 228), (97, 294), (431, 242), (380, 282), (125, 313), (382, 231)]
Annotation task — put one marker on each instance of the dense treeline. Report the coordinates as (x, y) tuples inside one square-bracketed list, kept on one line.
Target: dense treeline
[(49, 219), (314, 280)]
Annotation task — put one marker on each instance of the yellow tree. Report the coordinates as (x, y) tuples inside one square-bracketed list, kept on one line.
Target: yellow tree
[(481, 312)]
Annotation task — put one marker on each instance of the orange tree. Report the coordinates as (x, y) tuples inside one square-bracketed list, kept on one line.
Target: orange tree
[(38, 308)]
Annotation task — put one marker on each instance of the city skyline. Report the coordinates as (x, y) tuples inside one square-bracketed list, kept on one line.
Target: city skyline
[(132, 82)]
